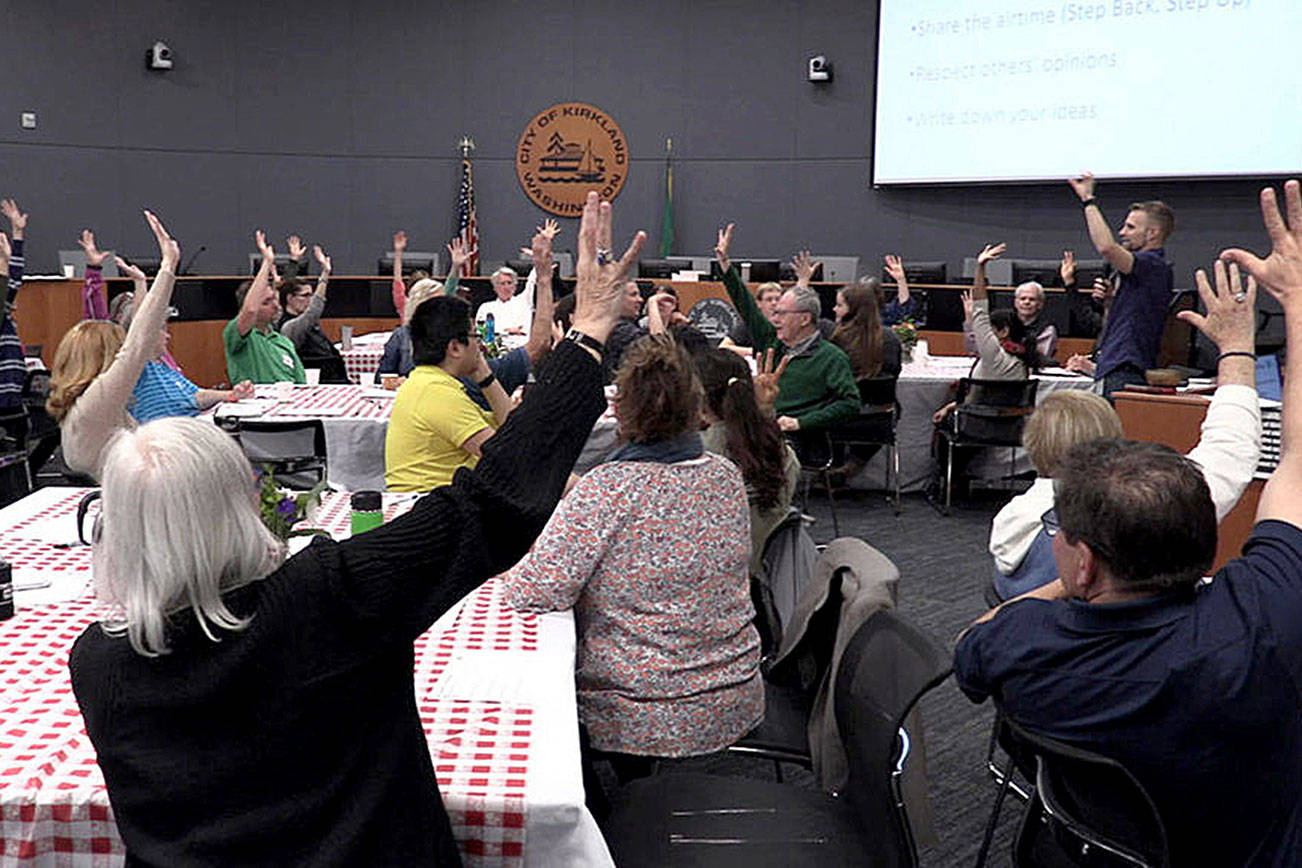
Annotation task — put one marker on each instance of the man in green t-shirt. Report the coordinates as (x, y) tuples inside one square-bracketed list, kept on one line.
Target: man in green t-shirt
[(254, 349)]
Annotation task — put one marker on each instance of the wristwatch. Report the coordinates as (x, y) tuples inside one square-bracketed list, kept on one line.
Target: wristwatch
[(487, 381), (585, 340)]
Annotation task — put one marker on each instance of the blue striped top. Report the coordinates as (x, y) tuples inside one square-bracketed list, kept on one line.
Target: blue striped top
[(162, 391)]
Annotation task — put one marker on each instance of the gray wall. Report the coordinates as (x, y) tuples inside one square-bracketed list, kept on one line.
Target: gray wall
[(338, 119)]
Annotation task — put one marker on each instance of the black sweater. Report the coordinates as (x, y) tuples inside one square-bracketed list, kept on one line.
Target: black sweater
[(297, 740)]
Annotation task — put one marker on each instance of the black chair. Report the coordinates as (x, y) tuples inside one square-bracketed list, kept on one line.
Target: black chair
[(1085, 809), (814, 449), (706, 820), (43, 436), (875, 426), (986, 413), (295, 450)]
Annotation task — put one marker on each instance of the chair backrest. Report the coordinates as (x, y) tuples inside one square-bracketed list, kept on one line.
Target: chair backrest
[(993, 412), (998, 393), (1086, 809), (788, 559), (36, 386), (886, 666), (878, 391), (296, 450)]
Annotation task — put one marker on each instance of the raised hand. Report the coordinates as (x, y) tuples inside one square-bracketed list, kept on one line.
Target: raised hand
[(321, 258), (550, 228), (991, 251), (399, 241), (5, 252), (1280, 272), (129, 270), (1084, 186), (1231, 319), (721, 247), (169, 251), (541, 250), (1102, 290), (966, 298), (94, 257), (294, 245), (260, 238), (599, 277), (895, 268), (804, 266), (458, 254), (17, 218), (766, 378), (1067, 268)]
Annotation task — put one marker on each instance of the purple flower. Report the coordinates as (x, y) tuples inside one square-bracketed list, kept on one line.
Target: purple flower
[(288, 509)]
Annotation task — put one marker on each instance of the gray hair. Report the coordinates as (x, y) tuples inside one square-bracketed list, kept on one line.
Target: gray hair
[(1031, 284), (505, 269), (806, 300), (181, 526)]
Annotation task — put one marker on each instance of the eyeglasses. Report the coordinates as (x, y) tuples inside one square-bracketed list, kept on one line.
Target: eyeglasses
[(1050, 523), (780, 312)]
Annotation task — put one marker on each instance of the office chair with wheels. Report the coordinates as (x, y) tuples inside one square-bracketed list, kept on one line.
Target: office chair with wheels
[(986, 413), (707, 820)]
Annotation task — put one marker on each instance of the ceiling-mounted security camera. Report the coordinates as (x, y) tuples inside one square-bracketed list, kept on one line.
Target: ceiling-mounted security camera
[(820, 68), (159, 56)]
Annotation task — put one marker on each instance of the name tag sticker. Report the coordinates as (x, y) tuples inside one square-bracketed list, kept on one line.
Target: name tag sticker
[(288, 360)]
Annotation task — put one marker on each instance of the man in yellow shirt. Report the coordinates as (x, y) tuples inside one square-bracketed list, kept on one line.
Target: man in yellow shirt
[(435, 428)]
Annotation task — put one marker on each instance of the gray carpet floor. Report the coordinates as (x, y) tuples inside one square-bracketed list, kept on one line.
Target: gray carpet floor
[(944, 568)]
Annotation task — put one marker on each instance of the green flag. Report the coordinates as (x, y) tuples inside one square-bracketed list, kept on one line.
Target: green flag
[(667, 225)]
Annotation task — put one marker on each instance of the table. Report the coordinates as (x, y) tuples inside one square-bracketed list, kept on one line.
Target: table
[(356, 419), (362, 360), (494, 689), (923, 387)]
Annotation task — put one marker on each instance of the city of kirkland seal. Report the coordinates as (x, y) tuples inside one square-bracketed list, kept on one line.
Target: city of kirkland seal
[(567, 150)]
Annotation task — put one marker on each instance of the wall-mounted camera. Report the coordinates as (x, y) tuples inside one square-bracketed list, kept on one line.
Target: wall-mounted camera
[(159, 56), (820, 68)]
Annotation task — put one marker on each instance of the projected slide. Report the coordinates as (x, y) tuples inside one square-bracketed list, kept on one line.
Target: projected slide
[(983, 90)]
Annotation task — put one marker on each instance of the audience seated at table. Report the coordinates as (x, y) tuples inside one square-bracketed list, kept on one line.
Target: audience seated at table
[(1191, 685), (301, 320), (97, 367), (741, 428), (13, 365), (250, 709), (1227, 454), (873, 349), (1028, 305), (512, 311), (255, 351), (627, 330), (904, 306), (511, 369), (437, 424), (650, 550), (817, 388)]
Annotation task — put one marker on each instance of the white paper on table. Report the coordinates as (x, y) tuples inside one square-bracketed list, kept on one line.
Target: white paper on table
[(44, 587), (377, 392), (495, 676), (291, 410), (245, 408)]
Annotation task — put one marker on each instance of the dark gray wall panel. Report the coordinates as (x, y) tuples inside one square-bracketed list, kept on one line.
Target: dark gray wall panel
[(339, 120)]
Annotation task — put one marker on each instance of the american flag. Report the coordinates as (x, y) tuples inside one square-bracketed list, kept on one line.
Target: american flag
[(467, 226)]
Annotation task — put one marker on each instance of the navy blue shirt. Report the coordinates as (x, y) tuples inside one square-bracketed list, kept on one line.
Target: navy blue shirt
[(1195, 692), (1137, 315)]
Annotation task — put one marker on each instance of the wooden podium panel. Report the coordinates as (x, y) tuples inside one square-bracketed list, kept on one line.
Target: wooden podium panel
[(1176, 420)]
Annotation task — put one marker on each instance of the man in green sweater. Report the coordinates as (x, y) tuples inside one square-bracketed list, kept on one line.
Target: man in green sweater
[(817, 388)]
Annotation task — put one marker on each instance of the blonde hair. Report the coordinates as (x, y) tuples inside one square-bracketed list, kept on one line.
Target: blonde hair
[(180, 528), (766, 288), (86, 351), (420, 290), (1063, 421)]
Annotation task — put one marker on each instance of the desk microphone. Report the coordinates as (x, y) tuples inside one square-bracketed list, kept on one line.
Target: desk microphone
[(185, 269)]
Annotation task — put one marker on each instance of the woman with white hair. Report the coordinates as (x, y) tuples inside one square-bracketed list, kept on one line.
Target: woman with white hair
[(249, 709)]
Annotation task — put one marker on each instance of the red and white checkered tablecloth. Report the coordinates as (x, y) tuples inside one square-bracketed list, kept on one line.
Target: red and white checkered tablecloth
[(328, 402), (362, 361), (494, 689)]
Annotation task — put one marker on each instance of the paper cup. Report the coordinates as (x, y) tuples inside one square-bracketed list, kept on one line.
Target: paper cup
[(69, 270), (313, 376)]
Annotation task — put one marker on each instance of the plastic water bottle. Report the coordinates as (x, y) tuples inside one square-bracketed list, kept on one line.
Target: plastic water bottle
[(489, 329), (368, 511)]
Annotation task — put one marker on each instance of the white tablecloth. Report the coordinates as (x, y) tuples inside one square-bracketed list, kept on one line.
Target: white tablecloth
[(924, 386), (495, 690)]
